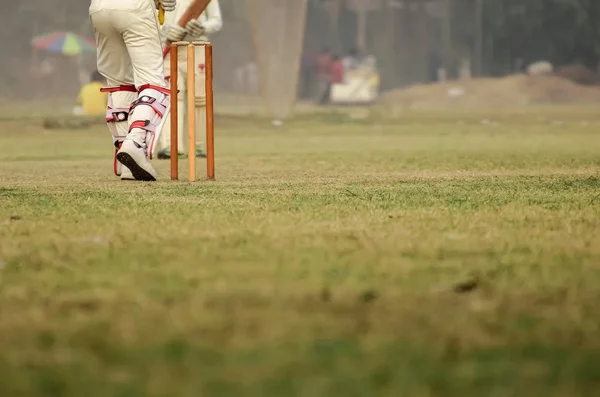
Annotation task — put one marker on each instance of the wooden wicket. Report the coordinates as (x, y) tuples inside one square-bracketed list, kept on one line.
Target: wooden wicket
[(191, 110), (174, 115), (210, 115)]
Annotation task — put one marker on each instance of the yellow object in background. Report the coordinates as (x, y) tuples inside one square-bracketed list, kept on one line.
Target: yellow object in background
[(161, 16), (92, 101)]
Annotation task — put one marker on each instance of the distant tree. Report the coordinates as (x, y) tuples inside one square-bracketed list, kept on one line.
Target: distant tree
[(562, 31)]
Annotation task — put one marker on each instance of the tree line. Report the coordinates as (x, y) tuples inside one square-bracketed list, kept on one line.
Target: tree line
[(505, 33)]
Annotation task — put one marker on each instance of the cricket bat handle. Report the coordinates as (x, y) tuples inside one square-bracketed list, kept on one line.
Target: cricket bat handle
[(161, 16)]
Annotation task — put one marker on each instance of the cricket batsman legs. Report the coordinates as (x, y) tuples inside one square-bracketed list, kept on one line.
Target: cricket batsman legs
[(129, 57), (120, 99)]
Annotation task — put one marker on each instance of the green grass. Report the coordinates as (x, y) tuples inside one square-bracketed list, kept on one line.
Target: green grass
[(440, 256)]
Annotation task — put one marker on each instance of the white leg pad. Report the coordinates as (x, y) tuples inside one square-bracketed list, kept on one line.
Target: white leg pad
[(200, 119), (145, 119), (117, 116), (182, 130)]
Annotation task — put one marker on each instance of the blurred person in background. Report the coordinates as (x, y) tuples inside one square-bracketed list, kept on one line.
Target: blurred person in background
[(91, 100), (337, 70), (209, 22), (336, 76)]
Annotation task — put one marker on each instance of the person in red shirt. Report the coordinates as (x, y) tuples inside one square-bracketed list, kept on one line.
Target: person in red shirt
[(324, 60), (335, 75), (337, 70)]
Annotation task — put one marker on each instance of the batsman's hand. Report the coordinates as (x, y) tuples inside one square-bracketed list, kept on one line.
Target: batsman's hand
[(176, 33), (167, 5), (195, 28)]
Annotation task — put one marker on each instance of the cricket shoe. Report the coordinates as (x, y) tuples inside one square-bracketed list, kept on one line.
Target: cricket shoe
[(133, 156)]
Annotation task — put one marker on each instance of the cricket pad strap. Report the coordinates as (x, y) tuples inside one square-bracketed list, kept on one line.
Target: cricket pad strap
[(118, 108)]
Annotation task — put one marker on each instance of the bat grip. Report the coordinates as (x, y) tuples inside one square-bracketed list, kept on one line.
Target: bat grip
[(161, 16)]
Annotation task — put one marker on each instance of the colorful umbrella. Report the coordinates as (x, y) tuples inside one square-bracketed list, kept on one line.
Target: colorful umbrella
[(64, 43)]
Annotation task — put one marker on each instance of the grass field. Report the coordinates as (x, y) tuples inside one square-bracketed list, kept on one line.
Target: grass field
[(444, 255)]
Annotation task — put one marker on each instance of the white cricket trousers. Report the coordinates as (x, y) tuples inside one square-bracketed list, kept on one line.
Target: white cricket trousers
[(129, 47), (200, 105)]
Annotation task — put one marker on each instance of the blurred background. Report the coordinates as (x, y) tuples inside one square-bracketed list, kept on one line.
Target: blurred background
[(271, 54)]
